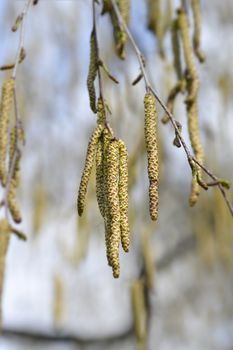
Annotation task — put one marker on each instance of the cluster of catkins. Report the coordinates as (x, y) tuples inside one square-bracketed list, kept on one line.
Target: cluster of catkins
[(9, 152), (111, 159), (188, 83)]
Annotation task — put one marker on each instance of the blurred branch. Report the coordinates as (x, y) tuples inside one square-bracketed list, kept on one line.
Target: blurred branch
[(184, 246), (191, 159)]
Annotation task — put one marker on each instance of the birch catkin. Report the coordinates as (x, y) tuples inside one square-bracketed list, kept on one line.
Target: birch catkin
[(5, 109), (123, 195), (99, 160), (93, 66), (152, 152), (120, 36), (197, 30), (4, 243), (90, 158), (192, 76), (176, 50), (113, 205), (139, 312), (194, 134)]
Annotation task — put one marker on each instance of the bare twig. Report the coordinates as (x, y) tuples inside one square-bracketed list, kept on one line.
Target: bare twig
[(98, 68), (17, 123), (191, 159), (21, 37)]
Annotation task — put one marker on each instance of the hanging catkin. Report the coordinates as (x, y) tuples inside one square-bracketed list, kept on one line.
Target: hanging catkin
[(155, 23), (14, 170), (176, 50), (90, 158), (5, 110), (4, 243), (123, 195), (193, 128), (120, 36), (93, 66), (197, 30), (58, 299), (192, 76), (191, 101), (107, 219), (112, 185), (148, 260), (99, 160), (139, 312), (152, 152)]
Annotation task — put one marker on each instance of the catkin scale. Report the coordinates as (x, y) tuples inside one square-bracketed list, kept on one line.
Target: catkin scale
[(90, 158), (150, 129), (93, 66), (113, 205), (5, 109)]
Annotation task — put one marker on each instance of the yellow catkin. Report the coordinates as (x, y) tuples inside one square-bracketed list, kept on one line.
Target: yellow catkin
[(148, 260), (4, 243), (5, 110), (112, 189), (93, 66), (39, 207), (123, 195), (139, 312), (12, 203), (191, 101), (90, 158), (176, 50), (107, 219), (58, 299), (155, 23), (119, 33), (100, 159), (14, 155), (150, 129), (191, 71), (197, 30), (194, 134)]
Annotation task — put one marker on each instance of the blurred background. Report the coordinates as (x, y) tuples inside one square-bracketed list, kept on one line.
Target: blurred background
[(59, 292)]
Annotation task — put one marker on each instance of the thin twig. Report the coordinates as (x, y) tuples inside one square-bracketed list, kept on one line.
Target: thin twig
[(98, 68), (191, 159), (21, 37), (17, 123)]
